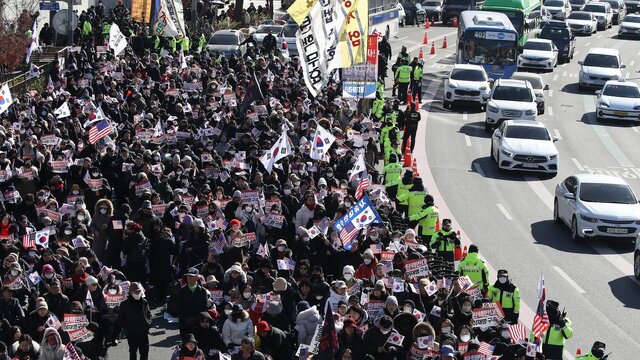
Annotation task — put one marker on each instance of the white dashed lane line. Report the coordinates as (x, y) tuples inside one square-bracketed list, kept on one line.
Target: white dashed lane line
[(504, 212), (569, 280), (555, 77), (550, 92), (467, 140), (577, 164), (557, 134), (550, 111)]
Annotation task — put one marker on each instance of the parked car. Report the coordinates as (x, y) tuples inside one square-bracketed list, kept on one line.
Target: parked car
[(228, 42), (264, 29), (562, 38), (433, 9), (289, 34), (414, 14)]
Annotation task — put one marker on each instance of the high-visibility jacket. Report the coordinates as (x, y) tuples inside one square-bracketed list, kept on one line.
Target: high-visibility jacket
[(587, 356), (156, 43), (202, 42), (403, 193), (389, 149), (392, 116), (444, 240), (553, 340), (172, 44), (186, 43), (507, 299), (380, 90), (475, 268), (427, 219), (403, 74), (417, 73), (106, 28), (391, 173), (376, 108), (384, 134), (86, 28), (415, 200)]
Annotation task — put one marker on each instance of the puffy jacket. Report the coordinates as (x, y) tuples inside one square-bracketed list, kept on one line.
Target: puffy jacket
[(49, 352), (303, 216), (135, 316), (306, 324), (234, 331)]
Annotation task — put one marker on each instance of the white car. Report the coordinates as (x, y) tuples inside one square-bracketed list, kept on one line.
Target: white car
[(538, 53), (466, 84), (630, 26), (618, 100), (560, 9), (582, 22), (599, 66), (537, 84), (510, 99), (602, 12), (597, 205), (524, 145)]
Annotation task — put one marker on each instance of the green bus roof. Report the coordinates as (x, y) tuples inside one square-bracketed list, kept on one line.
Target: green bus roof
[(526, 6)]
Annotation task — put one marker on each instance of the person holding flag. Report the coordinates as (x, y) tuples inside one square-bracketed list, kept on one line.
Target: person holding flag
[(375, 341), (560, 330), (505, 293)]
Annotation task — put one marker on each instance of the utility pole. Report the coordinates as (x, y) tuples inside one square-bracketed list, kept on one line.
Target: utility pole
[(70, 22)]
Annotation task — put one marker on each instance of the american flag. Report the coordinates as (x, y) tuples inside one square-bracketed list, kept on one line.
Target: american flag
[(362, 185), (486, 348), (98, 131), (518, 333), (29, 241), (348, 233), (218, 245), (540, 319)]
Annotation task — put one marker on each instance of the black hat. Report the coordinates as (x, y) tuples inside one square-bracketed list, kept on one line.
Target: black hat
[(446, 222), (552, 303), (503, 272), (237, 307), (189, 338), (193, 272), (473, 248)]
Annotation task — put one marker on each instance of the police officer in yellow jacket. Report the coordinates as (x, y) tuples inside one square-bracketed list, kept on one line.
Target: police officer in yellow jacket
[(445, 242), (415, 199), (427, 218), (596, 353), (505, 293), (403, 77), (416, 80), (560, 330), (391, 173), (475, 268), (402, 199)]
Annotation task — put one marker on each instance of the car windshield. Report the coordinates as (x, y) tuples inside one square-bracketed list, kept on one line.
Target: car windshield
[(536, 83), (290, 30), (577, 2), (458, 2), (511, 93), (580, 15), (537, 45), (554, 33), (527, 132), (467, 75), (594, 8), (601, 60), (633, 19), (431, 3), (621, 91), (224, 39), (607, 193), (264, 29), (554, 3), (614, 3), (488, 52)]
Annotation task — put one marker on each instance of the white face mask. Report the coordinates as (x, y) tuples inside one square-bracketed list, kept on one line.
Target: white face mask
[(374, 237), (505, 334), (15, 272), (287, 191), (318, 297), (465, 337), (112, 291), (367, 261), (137, 296), (502, 279), (48, 275), (408, 309), (103, 211), (347, 204), (446, 330), (247, 295), (282, 248), (248, 209), (385, 331), (466, 308), (227, 312), (80, 217), (68, 232), (75, 192), (348, 277)]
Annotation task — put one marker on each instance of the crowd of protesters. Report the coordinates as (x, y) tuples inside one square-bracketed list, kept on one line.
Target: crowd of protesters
[(171, 206)]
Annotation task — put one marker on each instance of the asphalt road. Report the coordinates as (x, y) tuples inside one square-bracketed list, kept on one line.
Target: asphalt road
[(509, 215)]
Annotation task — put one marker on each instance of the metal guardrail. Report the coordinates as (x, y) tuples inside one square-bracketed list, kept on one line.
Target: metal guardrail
[(21, 83)]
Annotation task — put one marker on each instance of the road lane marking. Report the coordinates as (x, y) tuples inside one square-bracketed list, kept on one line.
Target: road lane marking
[(569, 280), (576, 53), (632, 62), (577, 164), (635, 129), (465, 116), (604, 136), (557, 133), (555, 77), (478, 169), (550, 111), (504, 212), (551, 91), (587, 44), (467, 139), (564, 73)]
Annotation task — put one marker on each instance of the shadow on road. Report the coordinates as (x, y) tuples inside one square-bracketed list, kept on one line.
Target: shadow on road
[(490, 170), (475, 129), (626, 291), (573, 89), (556, 236)]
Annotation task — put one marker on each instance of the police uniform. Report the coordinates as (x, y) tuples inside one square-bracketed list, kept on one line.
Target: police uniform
[(445, 242), (507, 295), (391, 173), (475, 268), (427, 219), (416, 81), (403, 77)]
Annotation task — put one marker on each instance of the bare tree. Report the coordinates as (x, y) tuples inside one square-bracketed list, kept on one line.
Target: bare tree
[(15, 22)]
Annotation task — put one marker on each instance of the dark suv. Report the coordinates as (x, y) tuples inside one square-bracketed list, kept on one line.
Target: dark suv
[(562, 38), (453, 8)]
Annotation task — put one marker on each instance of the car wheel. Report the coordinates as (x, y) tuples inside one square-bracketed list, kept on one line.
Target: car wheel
[(575, 236), (493, 151), (636, 265), (556, 214)]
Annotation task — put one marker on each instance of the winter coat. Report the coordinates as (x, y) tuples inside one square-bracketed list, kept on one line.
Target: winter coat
[(228, 283), (58, 304), (34, 321), (276, 344), (191, 303), (303, 215), (48, 352), (353, 343), (135, 316), (335, 298), (234, 331), (306, 323)]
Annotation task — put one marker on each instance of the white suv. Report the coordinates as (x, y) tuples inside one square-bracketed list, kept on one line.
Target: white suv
[(510, 99), (466, 84), (599, 66)]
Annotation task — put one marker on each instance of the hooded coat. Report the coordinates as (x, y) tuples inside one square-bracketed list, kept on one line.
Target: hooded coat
[(51, 352), (233, 331), (99, 225), (306, 323)]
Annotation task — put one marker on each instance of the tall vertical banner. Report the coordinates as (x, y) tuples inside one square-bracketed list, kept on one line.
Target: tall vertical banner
[(311, 40), (360, 81), (353, 16), (170, 22), (141, 10)]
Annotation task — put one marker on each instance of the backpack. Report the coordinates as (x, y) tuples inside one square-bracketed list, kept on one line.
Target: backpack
[(141, 252)]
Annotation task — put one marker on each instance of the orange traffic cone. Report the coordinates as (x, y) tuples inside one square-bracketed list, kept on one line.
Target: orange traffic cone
[(438, 225), (433, 48), (407, 154), (454, 23), (408, 99), (417, 102), (415, 166), (457, 253), (578, 352), (426, 24), (425, 40), (444, 43), (420, 54), (465, 252)]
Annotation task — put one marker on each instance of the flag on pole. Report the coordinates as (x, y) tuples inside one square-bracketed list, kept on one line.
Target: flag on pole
[(300, 9), (63, 111), (358, 167), (33, 46), (34, 71), (88, 300), (540, 319), (328, 337), (117, 41), (42, 238), (279, 150), (263, 251), (486, 348), (53, 321), (183, 61), (98, 131), (5, 98), (518, 333), (363, 184), (359, 216), (322, 141)]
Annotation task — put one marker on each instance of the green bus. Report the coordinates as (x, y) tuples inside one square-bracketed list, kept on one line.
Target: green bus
[(524, 15)]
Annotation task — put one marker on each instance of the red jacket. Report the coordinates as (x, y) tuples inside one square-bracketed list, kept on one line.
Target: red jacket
[(365, 272)]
